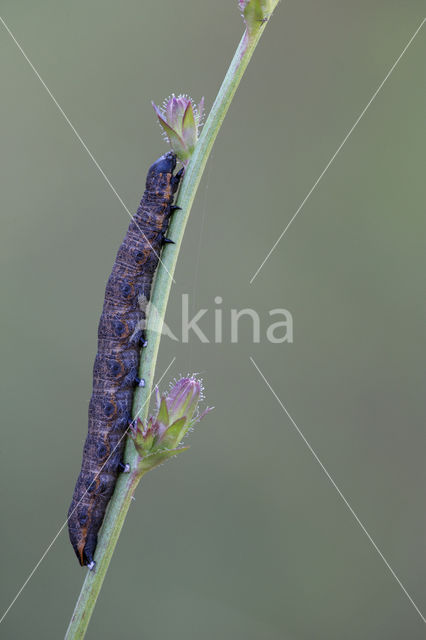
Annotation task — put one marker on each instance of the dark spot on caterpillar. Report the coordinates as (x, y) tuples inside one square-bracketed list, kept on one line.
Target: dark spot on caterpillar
[(109, 409), (126, 289), (116, 365), (102, 451), (119, 327), (139, 256)]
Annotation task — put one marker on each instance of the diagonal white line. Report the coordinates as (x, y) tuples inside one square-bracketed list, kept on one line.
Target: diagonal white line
[(338, 490), (333, 157), (84, 145), (66, 521)]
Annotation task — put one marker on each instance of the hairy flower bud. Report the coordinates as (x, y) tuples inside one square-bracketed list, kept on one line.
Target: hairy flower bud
[(177, 411), (180, 119)]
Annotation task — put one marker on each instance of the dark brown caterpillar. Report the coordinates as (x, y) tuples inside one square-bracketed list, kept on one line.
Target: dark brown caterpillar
[(120, 336)]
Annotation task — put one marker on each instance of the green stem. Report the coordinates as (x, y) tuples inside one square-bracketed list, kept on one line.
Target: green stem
[(127, 484)]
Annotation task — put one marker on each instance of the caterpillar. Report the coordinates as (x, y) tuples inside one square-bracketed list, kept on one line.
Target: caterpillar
[(120, 337)]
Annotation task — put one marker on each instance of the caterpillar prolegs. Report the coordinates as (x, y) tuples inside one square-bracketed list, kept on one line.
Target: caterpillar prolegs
[(120, 338)]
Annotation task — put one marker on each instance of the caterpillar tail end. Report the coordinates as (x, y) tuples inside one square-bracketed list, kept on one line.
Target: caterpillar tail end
[(84, 547)]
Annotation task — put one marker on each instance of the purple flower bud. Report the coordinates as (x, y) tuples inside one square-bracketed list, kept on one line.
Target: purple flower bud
[(176, 412), (183, 397), (181, 119)]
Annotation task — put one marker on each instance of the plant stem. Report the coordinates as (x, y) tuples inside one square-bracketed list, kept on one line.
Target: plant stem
[(127, 484)]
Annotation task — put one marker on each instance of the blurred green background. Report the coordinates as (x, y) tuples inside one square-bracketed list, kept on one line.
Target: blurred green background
[(244, 537)]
